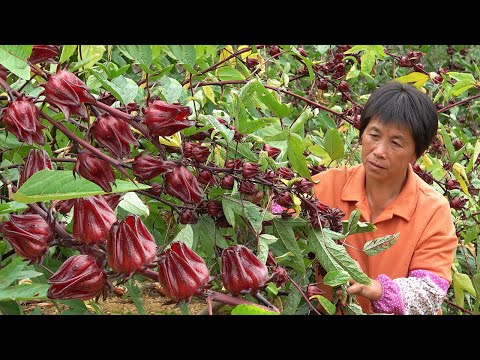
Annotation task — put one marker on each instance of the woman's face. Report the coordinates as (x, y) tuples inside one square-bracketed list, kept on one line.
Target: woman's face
[(387, 150)]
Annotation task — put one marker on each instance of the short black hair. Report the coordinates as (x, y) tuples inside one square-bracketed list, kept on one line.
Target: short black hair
[(404, 105)]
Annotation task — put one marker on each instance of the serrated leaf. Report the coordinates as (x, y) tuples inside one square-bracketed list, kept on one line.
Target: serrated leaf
[(186, 236), (247, 309), (24, 292), (263, 95), (226, 133), (295, 150), (355, 49), (228, 73), (419, 79), (141, 54), (207, 236), (29, 274), (327, 304), (91, 52), (14, 58), (47, 185), (352, 221), (263, 241), (318, 242), (298, 126), (185, 54), (462, 283), (67, 52), (11, 272), (287, 237), (447, 141), (466, 77), (353, 309), (336, 277), (353, 72), (131, 203), (292, 302), (333, 144), (375, 246), (367, 61), (172, 89), (124, 89)]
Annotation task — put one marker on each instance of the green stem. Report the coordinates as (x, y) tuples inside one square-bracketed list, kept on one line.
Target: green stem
[(184, 307)]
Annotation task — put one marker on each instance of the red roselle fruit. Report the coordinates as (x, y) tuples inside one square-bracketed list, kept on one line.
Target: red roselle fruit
[(181, 184), (68, 93), (114, 134), (130, 246), (234, 164), (112, 200), (251, 62), (64, 206), (242, 271), (79, 277), (284, 199), (273, 152), (248, 188), (163, 119), (250, 170), (200, 153), (147, 167), (29, 235), (43, 53), (188, 217), (458, 203), (285, 173), (36, 160), (227, 182), (205, 177), (92, 219), (182, 273), (21, 119), (304, 186), (94, 169)]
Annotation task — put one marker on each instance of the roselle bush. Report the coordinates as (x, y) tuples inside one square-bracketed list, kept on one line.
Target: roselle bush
[(191, 165)]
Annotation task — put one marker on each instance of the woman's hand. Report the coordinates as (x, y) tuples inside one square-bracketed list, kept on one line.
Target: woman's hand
[(371, 292)]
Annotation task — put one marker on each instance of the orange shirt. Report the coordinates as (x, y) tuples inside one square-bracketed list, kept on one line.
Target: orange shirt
[(420, 214)]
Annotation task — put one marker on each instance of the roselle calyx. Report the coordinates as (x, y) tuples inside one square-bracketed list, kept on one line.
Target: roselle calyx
[(180, 183), (188, 217), (43, 54), (29, 235), (147, 167), (248, 188), (36, 160), (273, 152), (68, 93), (234, 164), (205, 177), (114, 134), (304, 186), (242, 271), (285, 173), (130, 246), (227, 182), (95, 169), (21, 119), (452, 184), (214, 208), (200, 153), (79, 277), (284, 199), (250, 170), (163, 119), (92, 219), (182, 273), (458, 202)]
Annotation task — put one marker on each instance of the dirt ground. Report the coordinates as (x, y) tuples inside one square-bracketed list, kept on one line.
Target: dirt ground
[(154, 303)]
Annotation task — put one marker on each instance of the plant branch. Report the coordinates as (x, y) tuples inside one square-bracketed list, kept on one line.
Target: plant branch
[(309, 303)]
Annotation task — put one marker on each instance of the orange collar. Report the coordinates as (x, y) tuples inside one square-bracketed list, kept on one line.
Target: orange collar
[(404, 205)]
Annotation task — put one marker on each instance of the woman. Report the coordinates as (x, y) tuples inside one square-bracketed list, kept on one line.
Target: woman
[(398, 123)]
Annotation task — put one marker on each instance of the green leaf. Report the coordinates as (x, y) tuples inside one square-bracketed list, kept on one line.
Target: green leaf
[(207, 235), (24, 292), (287, 237), (141, 54), (29, 274), (292, 302), (353, 309), (14, 58), (327, 305), (10, 308), (375, 246), (298, 126), (226, 133), (360, 227), (464, 281), (352, 221), (185, 54), (474, 157), (228, 73), (76, 307), (355, 49), (12, 206), (172, 89), (67, 52), (254, 214), (353, 72), (124, 89), (333, 144), (336, 277), (263, 95), (295, 150), (447, 141), (136, 296), (131, 203), (247, 309), (263, 241), (186, 236), (92, 52), (334, 257), (11, 272), (367, 62), (419, 79), (465, 77), (9, 141), (47, 185)]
